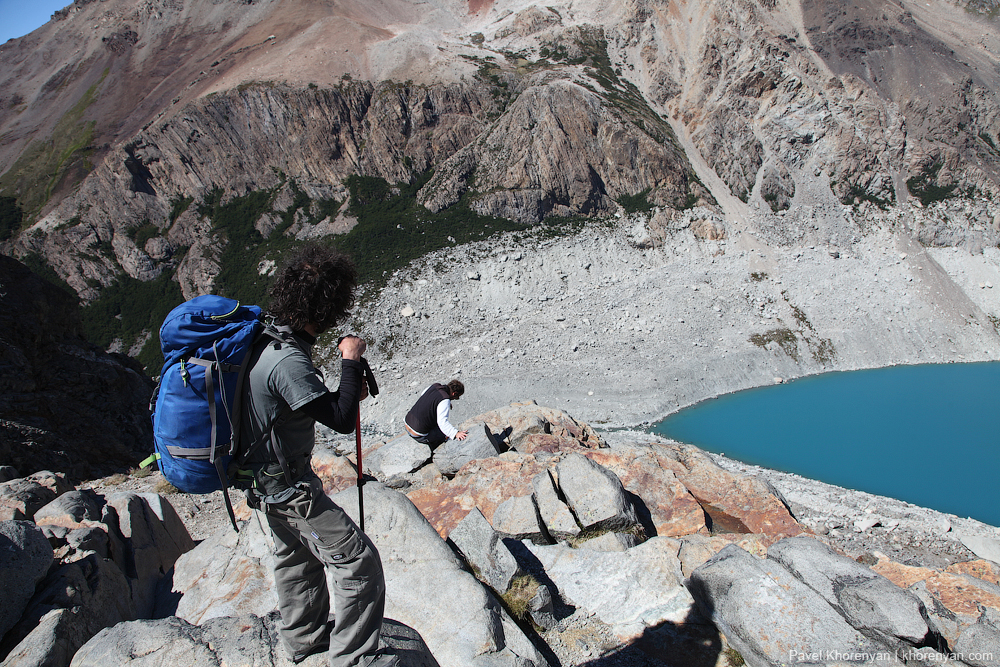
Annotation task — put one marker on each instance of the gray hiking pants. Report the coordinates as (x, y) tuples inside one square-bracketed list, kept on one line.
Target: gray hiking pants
[(313, 534)]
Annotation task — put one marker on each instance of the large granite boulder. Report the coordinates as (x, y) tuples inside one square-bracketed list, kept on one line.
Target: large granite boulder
[(154, 537), (228, 574), (485, 551), (399, 456), (429, 590), (517, 517), (867, 600), (554, 515), (769, 616), (594, 494), (74, 603), (630, 590), (979, 645), (25, 558)]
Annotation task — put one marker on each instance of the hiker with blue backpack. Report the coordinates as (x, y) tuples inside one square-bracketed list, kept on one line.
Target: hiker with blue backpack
[(236, 405), (284, 395)]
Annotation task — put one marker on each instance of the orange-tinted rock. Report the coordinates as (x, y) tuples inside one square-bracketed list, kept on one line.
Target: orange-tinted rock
[(729, 498), (980, 569), (536, 443), (956, 590), (337, 472), (672, 510), (484, 483)]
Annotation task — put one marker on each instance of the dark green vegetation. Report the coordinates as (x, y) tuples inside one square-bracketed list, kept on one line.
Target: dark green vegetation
[(620, 93), (785, 338), (11, 217), (128, 309), (35, 262), (637, 203), (46, 164), (143, 233), (392, 230), (177, 206), (857, 194), (988, 8), (923, 186), (821, 349)]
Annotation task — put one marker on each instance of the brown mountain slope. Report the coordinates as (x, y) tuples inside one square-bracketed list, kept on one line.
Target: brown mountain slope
[(119, 112)]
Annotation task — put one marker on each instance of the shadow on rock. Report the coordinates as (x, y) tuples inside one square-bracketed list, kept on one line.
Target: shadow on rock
[(693, 643)]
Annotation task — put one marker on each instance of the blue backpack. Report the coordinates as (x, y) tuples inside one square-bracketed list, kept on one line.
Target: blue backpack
[(206, 345)]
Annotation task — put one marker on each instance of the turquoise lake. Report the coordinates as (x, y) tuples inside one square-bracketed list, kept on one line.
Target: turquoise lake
[(925, 434)]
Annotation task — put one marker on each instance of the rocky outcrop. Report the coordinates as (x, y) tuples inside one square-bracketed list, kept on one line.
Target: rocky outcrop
[(84, 564), (739, 582), (222, 641), (729, 104), (559, 149), (65, 404), (767, 614), (273, 140)]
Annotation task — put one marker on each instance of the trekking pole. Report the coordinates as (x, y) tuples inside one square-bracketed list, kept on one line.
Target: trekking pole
[(361, 476), (372, 391)]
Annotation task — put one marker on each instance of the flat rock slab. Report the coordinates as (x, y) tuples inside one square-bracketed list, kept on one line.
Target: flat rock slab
[(220, 642), (629, 590)]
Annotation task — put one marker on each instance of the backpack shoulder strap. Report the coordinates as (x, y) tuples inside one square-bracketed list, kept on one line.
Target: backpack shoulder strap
[(236, 419), (267, 334)]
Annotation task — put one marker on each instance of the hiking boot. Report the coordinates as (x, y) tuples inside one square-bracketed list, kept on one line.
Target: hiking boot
[(319, 647), (385, 660), (322, 646)]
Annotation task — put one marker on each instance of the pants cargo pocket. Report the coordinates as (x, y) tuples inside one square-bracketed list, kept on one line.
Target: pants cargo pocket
[(346, 550)]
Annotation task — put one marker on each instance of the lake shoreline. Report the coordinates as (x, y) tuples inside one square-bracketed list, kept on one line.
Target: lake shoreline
[(859, 523), (873, 430)]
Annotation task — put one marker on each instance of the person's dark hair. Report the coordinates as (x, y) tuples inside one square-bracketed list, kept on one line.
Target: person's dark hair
[(456, 388), (316, 286)]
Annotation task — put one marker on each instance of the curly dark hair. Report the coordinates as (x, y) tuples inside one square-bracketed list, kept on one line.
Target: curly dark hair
[(316, 287)]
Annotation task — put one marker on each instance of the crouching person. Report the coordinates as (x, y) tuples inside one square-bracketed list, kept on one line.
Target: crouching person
[(284, 396), (427, 421)]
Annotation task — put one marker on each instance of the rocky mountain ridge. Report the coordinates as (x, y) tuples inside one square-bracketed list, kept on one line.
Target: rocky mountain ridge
[(526, 112)]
